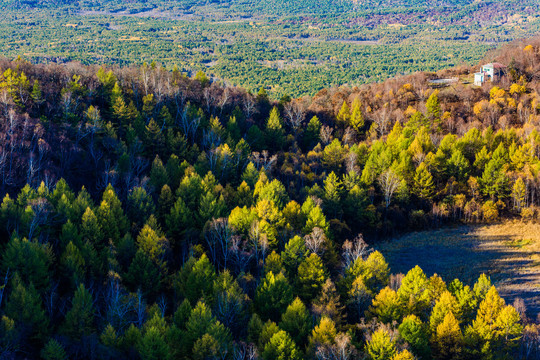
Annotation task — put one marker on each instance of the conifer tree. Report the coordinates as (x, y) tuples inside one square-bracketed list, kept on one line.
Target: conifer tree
[(323, 334), (281, 347), (53, 350), (79, 319), (447, 342), (380, 346), (386, 306), (273, 296), (446, 303), (416, 334), (274, 128), (296, 321), (153, 346), (24, 307), (423, 182), (357, 118), (311, 277), (344, 114)]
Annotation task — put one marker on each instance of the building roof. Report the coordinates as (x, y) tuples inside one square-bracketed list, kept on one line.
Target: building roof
[(495, 65)]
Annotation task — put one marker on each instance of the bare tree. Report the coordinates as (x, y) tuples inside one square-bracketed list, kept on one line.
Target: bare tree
[(295, 114), (382, 119), (342, 349), (389, 182), (119, 305), (219, 238), (326, 134), (248, 105), (353, 250), (315, 241), (41, 210), (243, 351), (259, 242)]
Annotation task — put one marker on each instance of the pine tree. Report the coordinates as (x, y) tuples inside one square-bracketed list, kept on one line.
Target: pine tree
[(323, 334), (332, 193), (447, 342), (274, 129), (412, 293), (357, 118), (153, 346), (446, 303), (195, 280), (509, 328), (79, 319), (24, 307), (199, 323), (73, 263), (296, 321), (433, 107), (380, 346), (416, 334), (273, 296), (423, 182), (158, 174), (386, 306), (281, 347), (144, 274), (519, 194), (53, 350), (344, 114), (311, 277)]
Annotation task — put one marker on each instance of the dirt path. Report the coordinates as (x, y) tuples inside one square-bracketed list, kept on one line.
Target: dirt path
[(509, 253)]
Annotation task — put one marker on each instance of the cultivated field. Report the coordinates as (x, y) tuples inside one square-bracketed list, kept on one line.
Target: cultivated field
[(509, 253)]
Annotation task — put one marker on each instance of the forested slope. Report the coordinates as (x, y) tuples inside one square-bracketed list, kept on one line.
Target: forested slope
[(147, 214)]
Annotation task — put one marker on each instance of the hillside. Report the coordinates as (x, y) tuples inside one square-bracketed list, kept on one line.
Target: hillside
[(148, 214)]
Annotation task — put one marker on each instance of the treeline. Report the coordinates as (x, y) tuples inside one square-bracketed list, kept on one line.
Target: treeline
[(147, 214)]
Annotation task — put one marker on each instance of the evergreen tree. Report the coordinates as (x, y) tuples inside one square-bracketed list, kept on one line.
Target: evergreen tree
[(24, 307), (53, 350), (447, 342), (357, 118), (344, 114), (273, 296), (423, 182), (153, 346), (274, 129), (79, 319), (380, 346), (386, 306), (281, 347), (195, 280), (296, 321), (445, 304), (416, 334), (311, 277)]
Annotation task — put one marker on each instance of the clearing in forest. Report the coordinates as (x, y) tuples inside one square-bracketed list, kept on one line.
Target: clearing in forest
[(509, 253)]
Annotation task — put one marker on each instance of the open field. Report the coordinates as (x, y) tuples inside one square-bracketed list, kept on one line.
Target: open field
[(509, 253)]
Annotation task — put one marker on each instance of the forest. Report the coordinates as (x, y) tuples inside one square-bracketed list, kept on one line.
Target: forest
[(147, 214), (291, 48)]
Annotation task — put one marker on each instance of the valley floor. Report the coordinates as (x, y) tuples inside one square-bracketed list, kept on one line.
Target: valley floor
[(509, 253)]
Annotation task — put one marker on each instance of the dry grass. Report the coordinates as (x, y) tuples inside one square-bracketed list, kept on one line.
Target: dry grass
[(509, 253)]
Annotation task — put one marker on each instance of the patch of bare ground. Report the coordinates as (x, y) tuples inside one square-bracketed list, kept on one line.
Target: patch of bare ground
[(509, 253)]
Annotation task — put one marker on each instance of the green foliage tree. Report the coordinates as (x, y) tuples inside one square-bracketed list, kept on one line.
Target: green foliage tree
[(297, 322), (79, 319), (380, 346), (273, 296)]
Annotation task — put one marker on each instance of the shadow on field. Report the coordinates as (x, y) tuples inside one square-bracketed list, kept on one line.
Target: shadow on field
[(466, 252)]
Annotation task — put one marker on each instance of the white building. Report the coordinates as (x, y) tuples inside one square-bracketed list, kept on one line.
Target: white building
[(489, 72)]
